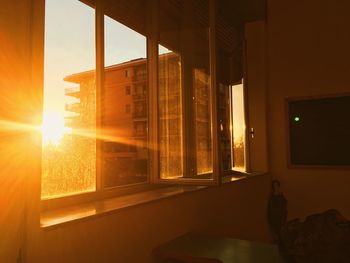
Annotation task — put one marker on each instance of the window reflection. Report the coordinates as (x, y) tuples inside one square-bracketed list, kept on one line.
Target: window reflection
[(124, 107), (170, 114), (224, 113), (185, 31), (203, 122)]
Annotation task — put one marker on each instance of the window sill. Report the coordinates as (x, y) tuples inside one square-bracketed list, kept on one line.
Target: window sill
[(70, 214), (57, 217), (236, 176)]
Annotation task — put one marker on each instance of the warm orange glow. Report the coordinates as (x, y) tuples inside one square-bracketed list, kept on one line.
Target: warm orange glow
[(53, 128), (10, 126)]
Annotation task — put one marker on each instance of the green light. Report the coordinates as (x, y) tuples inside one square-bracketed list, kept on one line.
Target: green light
[(296, 119)]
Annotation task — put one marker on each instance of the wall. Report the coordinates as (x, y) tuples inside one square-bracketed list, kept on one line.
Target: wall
[(255, 82), (129, 235), (308, 54)]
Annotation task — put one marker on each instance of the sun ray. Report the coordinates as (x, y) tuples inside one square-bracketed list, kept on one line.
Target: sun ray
[(53, 130)]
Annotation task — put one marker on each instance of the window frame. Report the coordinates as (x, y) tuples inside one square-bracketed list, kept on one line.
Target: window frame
[(246, 132), (154, 180), (215, 176), (100, 83), (100, 191)]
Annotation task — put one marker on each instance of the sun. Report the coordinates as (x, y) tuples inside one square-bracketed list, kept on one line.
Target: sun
[(53, 128)]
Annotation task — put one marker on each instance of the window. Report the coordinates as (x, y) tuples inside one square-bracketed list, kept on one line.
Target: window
[(127, 90), (185, 93), (225, 130), (170, 114), (232, 127), (127, 108), (69, 144), (118, 126), (192, 130), (238, 140)]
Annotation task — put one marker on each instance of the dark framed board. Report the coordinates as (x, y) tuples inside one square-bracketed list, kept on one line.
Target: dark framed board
[(319, 131)]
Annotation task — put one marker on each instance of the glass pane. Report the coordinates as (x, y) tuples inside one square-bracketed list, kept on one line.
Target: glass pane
[(225, 130), (185, 31), (238, 128), (68, 129), (203, 122), (170, 114), (125, 108)]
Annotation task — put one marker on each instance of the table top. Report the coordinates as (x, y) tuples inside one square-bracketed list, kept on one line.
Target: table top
[(226, 250)]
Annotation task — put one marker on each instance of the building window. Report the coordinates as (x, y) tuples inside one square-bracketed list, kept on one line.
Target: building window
[(127, 90), (127, 108), (127, 73)]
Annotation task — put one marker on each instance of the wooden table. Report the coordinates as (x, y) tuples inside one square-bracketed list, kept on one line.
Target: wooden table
[(194, 247)]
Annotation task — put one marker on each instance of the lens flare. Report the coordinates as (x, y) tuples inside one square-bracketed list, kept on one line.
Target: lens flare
[(53, 128)]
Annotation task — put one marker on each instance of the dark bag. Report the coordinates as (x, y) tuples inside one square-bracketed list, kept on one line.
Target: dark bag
[(320, 238), (277, 209)]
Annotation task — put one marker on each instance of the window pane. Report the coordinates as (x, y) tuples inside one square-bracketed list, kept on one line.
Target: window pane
[(203, 121), (125, 110), (185, 31), (68, 130), (170, 114), (197, 86), (224, 113), (238, 128)]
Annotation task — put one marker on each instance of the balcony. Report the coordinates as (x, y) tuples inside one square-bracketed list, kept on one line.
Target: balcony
[(140, 133), (72, 121), (141, 116), (139, 77), (73, 107), (72, 92), (139, 96), (170, 93)]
